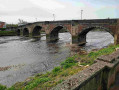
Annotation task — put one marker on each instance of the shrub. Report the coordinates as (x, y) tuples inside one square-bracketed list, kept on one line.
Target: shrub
[(56, 69), (2, 87), (7, 33), (68, 63)]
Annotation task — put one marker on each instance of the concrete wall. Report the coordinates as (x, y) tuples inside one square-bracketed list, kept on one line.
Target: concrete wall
[(102, 75)]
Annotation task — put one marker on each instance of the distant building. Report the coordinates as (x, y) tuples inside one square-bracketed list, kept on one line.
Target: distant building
[(2, 25)]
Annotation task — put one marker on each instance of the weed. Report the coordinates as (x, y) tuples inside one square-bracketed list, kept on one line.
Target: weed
[(68, 63), (2, 87)]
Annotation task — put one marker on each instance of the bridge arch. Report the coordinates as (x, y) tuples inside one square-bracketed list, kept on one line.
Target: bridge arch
[(54, 34), (83, 33), (25, 32), (36, 31)]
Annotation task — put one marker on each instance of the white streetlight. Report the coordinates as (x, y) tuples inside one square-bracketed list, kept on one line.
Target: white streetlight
[(81, 14), (36, 19), (54, 17)]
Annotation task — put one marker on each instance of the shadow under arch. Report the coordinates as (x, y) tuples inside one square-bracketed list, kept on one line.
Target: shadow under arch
[(18, 32), (25, 32), (36, 31), (83, 33), (54, 34)]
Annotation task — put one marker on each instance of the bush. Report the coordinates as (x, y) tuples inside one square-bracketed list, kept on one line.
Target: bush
[(2, 87), (56, 69), (7, 33), (68, 63), (2, 29)]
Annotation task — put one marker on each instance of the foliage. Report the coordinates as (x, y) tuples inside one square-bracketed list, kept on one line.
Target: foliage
[(36, 83), (55, 71), (68, 63), (30, 85), (2, 29), (89, 59), (11, 25), (21, 22), (2, 87), (7, 33), (60, 81)]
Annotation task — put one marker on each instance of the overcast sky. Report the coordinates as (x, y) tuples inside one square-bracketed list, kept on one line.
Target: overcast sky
[(43, 10)]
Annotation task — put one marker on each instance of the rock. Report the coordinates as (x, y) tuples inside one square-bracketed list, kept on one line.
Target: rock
[(116, 49), (94, 50), (4, 68), (79, 64), (86, 66), (83, 52)]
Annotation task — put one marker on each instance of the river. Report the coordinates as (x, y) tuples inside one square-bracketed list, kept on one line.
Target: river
[(24, 57)]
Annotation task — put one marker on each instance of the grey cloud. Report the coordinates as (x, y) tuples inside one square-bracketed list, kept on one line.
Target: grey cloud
[(32, 12), (3, 13)]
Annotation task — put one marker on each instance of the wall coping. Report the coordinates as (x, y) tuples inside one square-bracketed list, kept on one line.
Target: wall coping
[(79, 79)]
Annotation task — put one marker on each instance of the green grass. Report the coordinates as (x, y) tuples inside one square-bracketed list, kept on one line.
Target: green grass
[(66, 69), (7, 33), (56, 70), (68, 63), (92, 56), (36, 83), (2, 87)]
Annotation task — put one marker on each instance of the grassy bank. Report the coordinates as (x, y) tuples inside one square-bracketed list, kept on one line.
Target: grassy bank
[(69, 67), (2, 87), (7, 33)]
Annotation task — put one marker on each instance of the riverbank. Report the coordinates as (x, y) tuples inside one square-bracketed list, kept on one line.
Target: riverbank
[(7, 33), (69, 67)]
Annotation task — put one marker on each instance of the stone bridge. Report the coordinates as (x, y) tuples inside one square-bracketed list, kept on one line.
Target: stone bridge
[(77, 28)]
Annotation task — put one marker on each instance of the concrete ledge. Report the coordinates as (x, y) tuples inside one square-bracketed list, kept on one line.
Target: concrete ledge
[(100, 76), (109, 58)]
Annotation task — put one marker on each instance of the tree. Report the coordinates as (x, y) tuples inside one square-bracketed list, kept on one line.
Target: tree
[(21, 22)]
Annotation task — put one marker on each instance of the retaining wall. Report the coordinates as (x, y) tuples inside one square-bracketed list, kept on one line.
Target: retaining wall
[(102, 75)]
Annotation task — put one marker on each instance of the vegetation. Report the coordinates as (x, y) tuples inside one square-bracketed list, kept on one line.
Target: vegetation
[(90, 58), (7, 33), (11, 25), (60, 73), (2, 29), (2, 87)]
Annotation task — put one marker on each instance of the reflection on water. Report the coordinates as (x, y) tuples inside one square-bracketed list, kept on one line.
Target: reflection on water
[(98, 40), (26, 57)]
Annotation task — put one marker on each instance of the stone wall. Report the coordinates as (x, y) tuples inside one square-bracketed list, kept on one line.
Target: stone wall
[(102, 75)]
